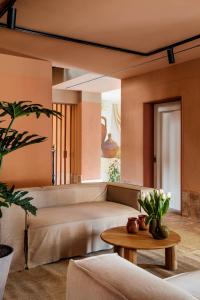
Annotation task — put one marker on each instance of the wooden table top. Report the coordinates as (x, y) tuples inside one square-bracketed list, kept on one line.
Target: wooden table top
[(119, 236)]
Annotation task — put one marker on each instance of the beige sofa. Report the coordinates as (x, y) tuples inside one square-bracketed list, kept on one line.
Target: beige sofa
[(110, 277), (69, 221)]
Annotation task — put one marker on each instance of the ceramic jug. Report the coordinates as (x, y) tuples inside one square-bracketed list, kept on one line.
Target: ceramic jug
[(132, 225), (109, 147)]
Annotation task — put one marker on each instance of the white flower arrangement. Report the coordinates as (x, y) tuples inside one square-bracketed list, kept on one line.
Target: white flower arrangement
[(155, 203)]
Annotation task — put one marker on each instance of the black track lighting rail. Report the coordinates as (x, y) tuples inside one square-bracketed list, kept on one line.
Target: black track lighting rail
[(99, 45), (11, 20), (5, 5)]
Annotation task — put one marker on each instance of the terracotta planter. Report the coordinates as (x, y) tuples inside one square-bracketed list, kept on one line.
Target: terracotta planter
[(5, 261)]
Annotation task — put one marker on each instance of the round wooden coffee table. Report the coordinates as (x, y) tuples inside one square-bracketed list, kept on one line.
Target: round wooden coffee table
[(126, 245)]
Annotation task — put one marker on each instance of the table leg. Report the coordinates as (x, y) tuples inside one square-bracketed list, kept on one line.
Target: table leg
[(171, 258), (131, 255), (119, 250)]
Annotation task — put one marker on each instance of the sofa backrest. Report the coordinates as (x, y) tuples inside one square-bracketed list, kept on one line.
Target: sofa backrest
[(50, 196)]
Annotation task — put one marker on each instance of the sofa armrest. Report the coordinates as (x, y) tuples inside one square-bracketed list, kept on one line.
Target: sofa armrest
[(12, 226), (126, 194), (188, 281), (110, 277)]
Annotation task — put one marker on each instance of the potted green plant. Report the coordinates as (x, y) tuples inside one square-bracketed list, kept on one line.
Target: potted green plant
[(114, 171), (156, 205), (10, 141)]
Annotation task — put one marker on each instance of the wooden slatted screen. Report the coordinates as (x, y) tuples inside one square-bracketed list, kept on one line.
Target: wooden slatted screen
[(61, 144), (76, 143)]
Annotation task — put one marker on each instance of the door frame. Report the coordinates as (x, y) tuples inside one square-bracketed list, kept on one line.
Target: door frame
[(148, 141), (158, 110)]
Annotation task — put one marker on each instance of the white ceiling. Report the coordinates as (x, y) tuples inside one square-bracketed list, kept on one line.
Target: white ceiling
[(90, 82)]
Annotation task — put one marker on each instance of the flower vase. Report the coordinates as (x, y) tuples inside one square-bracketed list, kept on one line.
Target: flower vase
[(158, 231)]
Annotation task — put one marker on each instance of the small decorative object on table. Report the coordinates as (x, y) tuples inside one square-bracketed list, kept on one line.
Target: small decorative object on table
[(142, 222), (156, 205), (132, 225)]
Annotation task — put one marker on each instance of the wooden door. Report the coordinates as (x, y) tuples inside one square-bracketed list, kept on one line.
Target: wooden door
[(61, 145), (76, 141)]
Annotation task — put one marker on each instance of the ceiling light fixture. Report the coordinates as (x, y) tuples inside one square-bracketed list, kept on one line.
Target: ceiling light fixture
[(5, 5), (170, 55), (11, 17)]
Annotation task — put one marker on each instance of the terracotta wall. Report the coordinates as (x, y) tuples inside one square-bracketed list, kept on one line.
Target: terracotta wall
[(91, 138), (183, 81), (66, 96), (28, 79)]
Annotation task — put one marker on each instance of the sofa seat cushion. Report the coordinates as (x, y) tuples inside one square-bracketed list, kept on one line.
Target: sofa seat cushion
[(189, 281), (51, 216), (110, 277), (58, 232)]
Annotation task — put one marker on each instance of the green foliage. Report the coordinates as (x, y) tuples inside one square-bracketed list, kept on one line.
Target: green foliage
[(155, 204), (9, 196), (24, 108), (114, 171), (12, 140)]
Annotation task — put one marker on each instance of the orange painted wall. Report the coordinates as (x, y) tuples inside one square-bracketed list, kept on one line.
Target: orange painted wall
[(179, 80), (91, 140), (27, 79)]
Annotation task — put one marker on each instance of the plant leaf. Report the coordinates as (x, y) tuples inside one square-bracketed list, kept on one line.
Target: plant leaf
[(24, 108), (8, 197), (14, 140)]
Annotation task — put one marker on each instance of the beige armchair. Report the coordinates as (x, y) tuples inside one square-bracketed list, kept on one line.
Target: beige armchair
[(110, 277)]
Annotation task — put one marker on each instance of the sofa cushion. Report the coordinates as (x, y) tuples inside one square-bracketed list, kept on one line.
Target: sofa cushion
[(51, 196), (189, 281), (110, 277), (50, 216), (72, 230)]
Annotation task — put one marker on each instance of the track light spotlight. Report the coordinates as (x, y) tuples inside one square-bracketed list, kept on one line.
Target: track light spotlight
[(170, 55), (11, 17)]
